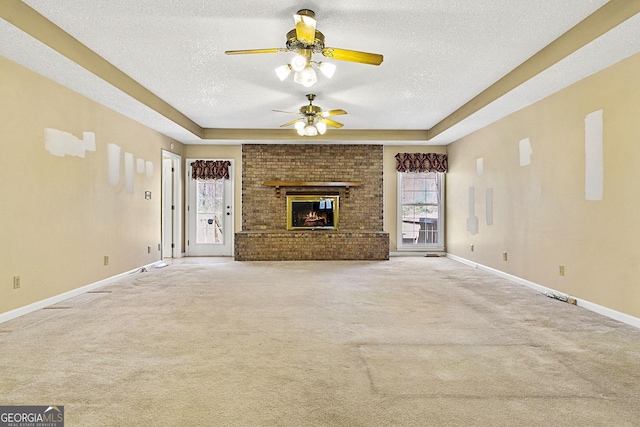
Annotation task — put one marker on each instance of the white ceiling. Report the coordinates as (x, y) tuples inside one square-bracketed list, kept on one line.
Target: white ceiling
[(438, 54)]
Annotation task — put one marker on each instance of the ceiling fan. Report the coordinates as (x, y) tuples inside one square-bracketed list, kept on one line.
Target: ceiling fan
[(314, 121), (305, 40)]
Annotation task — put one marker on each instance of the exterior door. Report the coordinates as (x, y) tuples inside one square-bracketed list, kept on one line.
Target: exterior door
[(209, 216)]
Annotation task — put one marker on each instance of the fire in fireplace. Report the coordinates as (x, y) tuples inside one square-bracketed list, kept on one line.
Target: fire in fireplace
[(312, 212)]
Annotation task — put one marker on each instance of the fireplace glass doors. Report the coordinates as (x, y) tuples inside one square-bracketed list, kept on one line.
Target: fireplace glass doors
[(312, 212)]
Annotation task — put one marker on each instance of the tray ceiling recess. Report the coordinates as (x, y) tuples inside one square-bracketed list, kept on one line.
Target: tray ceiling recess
[(449, 68)]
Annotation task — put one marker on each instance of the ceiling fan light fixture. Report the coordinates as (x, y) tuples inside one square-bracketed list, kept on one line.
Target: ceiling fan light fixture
[(307, 77), (327, 68), (311, 79), (310, 130), (321, 127), (283, 71), (299, 63), (313, 120)]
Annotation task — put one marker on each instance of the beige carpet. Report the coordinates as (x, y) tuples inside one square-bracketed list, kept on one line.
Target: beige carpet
[(412, 341)]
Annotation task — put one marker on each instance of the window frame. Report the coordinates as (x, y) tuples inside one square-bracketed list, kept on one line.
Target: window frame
[(421, 247)]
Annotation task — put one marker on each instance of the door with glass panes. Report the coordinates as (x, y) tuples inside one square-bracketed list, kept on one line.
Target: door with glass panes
[(209, 216)]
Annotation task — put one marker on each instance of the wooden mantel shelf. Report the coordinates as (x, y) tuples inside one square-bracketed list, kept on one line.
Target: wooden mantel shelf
[(345, 184)]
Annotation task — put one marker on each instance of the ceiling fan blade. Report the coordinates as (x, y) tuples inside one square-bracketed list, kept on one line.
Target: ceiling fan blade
[(332, 123), (281, 111), (289, 123), (353, 56), (305, 26), (242, 52), (330, 113)]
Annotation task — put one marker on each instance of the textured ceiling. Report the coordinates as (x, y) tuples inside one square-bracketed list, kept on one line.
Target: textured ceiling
[(438, 55)]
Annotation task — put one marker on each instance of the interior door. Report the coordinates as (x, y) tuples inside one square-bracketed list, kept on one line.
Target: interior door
[(171, 205), (210, 216), (167, 208)]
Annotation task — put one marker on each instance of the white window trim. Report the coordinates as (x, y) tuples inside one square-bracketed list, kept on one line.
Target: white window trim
[(426, 247)]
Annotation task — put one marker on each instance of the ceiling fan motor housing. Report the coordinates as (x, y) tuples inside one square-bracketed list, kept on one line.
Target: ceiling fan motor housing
[(310, 110), (294, 44)]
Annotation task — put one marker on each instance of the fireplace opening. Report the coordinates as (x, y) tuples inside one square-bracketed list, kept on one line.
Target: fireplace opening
[(312, 212)]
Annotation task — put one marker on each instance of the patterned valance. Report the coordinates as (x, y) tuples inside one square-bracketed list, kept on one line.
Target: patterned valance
[(210, 169), (421, 162)]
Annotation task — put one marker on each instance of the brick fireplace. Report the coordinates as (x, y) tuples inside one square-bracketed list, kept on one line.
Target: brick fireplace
[(351, 172)]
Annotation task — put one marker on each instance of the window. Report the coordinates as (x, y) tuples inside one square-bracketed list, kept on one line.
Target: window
[(210, 211), (420, 211)]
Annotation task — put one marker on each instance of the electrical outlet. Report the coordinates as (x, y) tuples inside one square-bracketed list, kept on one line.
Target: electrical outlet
[(106, 260), (16, 282), (562, 270), (471, 247), (504, 256)]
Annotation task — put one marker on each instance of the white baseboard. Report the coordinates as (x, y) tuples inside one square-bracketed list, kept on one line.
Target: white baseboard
[(4, 317), (596, 308), (417, 253)]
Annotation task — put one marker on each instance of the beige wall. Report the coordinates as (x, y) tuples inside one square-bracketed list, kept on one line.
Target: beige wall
[(541, 217), (390, 177), (60, 216)]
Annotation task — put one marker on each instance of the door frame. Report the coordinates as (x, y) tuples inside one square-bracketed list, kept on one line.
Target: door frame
[(229, 199), (176, 202)]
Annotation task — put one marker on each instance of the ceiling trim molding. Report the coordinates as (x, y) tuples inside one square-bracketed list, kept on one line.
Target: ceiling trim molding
[(609, 16), (31, 22), (331, 135)]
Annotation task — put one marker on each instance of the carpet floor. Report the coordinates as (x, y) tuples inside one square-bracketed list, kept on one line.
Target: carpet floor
[(413, 341)]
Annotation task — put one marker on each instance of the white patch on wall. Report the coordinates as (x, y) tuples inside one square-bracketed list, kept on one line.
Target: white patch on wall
[(525, 152), (113, 156), (480, 166), (489, 197), (128, 172), (131, 166), (149, 169), (59, 143), (472, 221), (594, 156)]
